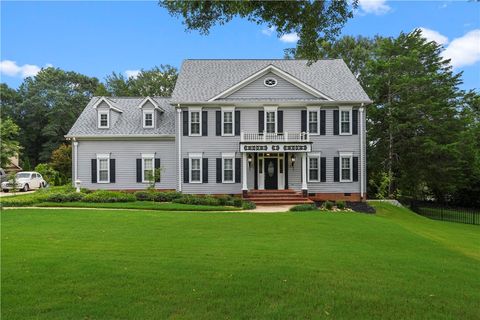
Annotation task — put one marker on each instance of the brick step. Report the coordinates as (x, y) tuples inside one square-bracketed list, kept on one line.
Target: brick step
[(277, 202), (288, 191), (269, 195)]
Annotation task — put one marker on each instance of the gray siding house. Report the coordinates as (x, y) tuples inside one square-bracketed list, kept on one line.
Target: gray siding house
[(232, 127)]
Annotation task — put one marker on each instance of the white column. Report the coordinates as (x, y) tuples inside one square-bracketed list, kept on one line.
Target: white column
[(179, 138), (361, 153), (304, 171), (244, 172), (75, 165)]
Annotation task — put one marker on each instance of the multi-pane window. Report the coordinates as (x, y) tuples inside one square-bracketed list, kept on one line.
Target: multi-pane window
[(345, 168), (228, 122), (313, 122), (147, 169), (345, 121), (103, 119), (195, 170), (228, 170), (313, 169), (103, 170), (270, 121), (195, 123), (148, 119)]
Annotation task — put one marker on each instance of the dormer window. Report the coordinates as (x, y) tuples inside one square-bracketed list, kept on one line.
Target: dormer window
[(103, 119), (148, 119), (270, 82)]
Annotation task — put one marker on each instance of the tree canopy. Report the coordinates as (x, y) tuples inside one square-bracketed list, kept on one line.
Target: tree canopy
[(9, 145)]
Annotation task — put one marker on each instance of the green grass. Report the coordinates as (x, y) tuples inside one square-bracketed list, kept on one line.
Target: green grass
[(94, 264), (451, 215), (149, 205)]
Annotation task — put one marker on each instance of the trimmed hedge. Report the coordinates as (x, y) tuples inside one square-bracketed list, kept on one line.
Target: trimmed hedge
[(103, 196), (144, 196), (303, 207), (64, 197), (248, 205), (166, 196)]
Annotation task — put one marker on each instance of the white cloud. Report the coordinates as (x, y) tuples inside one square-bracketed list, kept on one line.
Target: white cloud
[(290, 37), (132, 73), (12, 69), (432, 35), (377, 7), (464, 51), (268, 31)]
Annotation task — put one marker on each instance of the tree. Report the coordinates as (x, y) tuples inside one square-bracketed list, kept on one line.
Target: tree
[(314, 21), (158, 81), (61, 161), (9, 144), (50, 104)]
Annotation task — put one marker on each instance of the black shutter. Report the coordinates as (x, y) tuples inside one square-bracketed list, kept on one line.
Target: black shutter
[(322, 122), (280, 121), (94, 170), (185, 123), (204, 123), (238, 168), (261, 121), (112, 170), (335, 122), (186, 170), (205, 170), (323, 169), (218, 123), (355, 122), (285, 162), (355, 168), (237, 123), (139, 170), (336, 169), (219, 170), (304, 120), (157, 167)]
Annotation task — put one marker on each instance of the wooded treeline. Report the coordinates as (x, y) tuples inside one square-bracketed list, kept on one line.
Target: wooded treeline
[(423, 131)]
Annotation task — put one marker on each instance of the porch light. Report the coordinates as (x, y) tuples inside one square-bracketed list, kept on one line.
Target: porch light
[(249, 160), (293, 160)]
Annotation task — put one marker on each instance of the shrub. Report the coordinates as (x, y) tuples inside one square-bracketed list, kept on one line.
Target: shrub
[(109, 196), (328, 205), (238, 202), (49, 174), (144, 196), (166, 196), (64, 197), (248, 205), (198, 200), (303, 207), (341, 205), (225, 200)]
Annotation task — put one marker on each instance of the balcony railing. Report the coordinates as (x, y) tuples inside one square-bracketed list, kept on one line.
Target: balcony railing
[(275, 137)]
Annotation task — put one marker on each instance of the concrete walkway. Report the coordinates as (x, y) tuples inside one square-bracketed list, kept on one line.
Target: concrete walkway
[(9, 194)]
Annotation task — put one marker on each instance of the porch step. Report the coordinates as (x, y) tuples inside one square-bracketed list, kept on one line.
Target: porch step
[(276, 197)]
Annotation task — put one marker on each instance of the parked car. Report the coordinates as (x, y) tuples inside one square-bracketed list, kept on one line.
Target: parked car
[(25, 181), (3, 175)]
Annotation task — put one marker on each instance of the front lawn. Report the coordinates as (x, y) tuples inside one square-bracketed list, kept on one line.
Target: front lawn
[(149, 205), (94, 264)]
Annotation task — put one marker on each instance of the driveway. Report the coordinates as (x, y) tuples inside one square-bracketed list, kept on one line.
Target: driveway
[(9, 194)]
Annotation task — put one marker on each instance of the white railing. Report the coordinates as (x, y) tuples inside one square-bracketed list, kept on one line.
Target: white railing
[(275, 137)]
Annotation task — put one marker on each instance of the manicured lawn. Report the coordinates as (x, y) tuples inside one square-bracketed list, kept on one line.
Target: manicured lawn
[(165, 206), (94, 264)]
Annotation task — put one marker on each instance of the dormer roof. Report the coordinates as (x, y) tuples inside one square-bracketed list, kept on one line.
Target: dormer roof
[(110, 104), (153, 102)]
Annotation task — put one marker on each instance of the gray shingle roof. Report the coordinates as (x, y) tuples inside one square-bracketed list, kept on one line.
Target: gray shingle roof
[(129, 121), (201, 80)]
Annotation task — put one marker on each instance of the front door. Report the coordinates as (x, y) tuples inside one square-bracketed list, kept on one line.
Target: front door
[(271, 173)]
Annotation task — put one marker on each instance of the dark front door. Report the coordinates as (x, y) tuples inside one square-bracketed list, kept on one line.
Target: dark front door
[(271, 173)]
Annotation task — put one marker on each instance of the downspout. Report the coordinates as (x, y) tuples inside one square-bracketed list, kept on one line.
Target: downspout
[(179, 137), (362, 191)]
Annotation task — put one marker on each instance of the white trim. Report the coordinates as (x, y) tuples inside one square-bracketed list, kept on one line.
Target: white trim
[(195, 156), (267, 109), (99, 119), (270, 78), (199, 110), (317, 110), (224, 157), (75, 155), (228, 155), (123, 136), (232, 110), (244, 172), (271, 68), (315, 155), (103, 157), (150, 156), (148, 99), (361, 152), (346, 155), (180, 162), (340, 109), (108, 102), (144, 113)]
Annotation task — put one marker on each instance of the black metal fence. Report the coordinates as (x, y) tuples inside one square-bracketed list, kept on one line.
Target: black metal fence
[(446, 213)]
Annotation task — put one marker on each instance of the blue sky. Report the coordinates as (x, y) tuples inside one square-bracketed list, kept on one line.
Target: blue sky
[(96, 38)]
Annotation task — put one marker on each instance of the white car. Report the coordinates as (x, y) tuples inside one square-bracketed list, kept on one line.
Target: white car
[(25, 181)]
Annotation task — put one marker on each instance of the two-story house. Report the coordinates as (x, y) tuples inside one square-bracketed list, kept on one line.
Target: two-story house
[(232, 127)]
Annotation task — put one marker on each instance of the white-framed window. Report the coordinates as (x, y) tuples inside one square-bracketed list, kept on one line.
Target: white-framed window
[(345, 122), (104, 119), (313, 116), (270, 82), (195, 121), (148, 166), (148, 118), (228, 120), (346, 167), (103, 168), (270, 119), (228, 168), (195, 168), (313, 167)]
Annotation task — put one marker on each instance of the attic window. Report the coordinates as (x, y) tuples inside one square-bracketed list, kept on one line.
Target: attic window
[(270, 82)]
